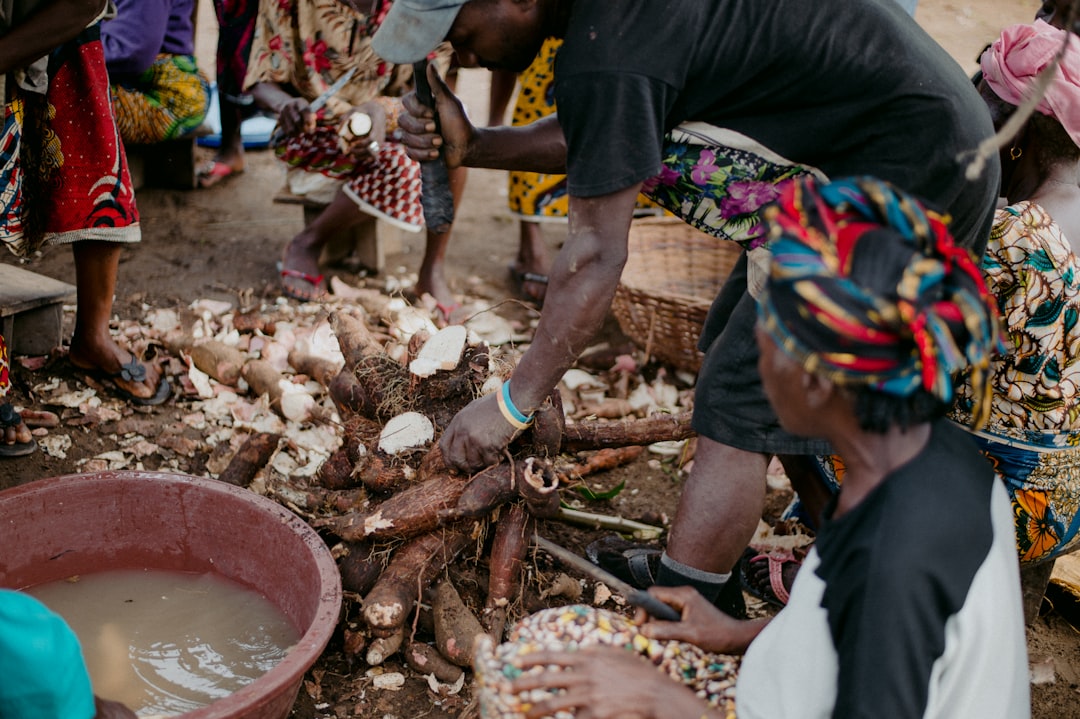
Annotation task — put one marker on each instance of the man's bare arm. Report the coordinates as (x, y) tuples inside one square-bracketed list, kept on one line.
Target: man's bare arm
[(47, 28)]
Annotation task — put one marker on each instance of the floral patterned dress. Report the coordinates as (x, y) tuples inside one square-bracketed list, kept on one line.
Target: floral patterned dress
[(1033, 436), (308, 45)]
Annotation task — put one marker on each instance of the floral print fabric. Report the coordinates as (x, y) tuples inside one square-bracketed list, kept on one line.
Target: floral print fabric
[(308, 45), (1033, 437), (716, 181), (67, 139)]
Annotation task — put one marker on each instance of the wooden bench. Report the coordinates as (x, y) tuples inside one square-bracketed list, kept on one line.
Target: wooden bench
[(170, 164), (368, 241), (31, 310)]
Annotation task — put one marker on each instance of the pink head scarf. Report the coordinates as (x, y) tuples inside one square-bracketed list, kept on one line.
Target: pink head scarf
[(1019, 54)]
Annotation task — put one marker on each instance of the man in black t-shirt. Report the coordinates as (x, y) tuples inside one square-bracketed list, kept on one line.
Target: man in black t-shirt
[(729, 98)]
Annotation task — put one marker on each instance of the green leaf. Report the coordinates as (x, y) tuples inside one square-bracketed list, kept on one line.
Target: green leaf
[(590, 495)]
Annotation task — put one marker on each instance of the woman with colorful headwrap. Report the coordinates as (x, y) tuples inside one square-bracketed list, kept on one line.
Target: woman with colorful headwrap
[(1032, 435), (867, 310)]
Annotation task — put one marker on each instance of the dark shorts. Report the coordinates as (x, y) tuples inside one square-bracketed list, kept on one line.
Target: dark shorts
[(729, 402)]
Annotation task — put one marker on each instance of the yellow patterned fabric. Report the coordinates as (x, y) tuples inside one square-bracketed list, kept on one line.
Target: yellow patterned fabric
[(537, 195), (168, 101)]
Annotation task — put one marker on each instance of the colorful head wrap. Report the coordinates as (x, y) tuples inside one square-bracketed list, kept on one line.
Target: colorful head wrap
[(1020, 53), (867, 288)]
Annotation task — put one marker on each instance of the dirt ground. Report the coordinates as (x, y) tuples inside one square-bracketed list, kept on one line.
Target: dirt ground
[(221, 244)]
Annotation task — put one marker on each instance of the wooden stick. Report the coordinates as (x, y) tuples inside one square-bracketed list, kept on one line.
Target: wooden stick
[(604, 521)]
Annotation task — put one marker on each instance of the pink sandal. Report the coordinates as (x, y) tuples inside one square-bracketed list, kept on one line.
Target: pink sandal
[(776, 593), (314, 280)]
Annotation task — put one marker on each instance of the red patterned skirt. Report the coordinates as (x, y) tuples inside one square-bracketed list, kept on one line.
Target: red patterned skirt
[(387, 187), (63, 172)]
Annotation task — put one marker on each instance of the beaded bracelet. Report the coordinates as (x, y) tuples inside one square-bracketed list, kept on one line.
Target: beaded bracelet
[(512, 414)]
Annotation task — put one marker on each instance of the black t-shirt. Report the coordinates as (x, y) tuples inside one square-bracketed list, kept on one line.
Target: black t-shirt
[(908, 605), (850, 87)]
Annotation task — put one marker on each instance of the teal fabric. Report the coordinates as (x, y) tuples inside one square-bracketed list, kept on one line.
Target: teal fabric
[(42, 671)]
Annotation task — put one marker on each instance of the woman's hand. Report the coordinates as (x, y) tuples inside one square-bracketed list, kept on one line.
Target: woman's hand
[(364, 147), (476, 437), (605, 683), (702, 624), (295, 116), (417, 125)]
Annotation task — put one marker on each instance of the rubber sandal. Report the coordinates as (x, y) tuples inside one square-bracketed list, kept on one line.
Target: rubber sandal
[(10, 418), (637, 565), (519, 278), (132, 371), (314, 280), (213, 172), (446, 310), (633, 563), (775, 593)]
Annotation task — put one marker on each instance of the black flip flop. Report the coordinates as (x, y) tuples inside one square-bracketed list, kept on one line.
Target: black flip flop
[(633, 563), (133, 371), (774, 592)]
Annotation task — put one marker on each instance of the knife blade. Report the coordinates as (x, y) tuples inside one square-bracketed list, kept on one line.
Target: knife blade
[(636, 597), (341, 82)]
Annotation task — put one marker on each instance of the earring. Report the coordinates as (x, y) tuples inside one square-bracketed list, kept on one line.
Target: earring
[(1015, 152)]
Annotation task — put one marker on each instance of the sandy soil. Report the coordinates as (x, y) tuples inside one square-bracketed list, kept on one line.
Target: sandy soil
[(221, 244)]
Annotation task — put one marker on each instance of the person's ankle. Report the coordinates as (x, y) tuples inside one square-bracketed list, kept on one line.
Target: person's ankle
[(672, 573), (722, 590)]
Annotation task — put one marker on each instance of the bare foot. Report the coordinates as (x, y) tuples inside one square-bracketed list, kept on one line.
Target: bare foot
[(13, 431), (104, 357), (759, 574), (300, 276)]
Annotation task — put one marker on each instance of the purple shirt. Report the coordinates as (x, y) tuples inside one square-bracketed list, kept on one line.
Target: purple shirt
[(143, 29)]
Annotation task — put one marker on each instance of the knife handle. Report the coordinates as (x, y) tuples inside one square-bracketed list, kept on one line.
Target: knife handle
[(654, 606), (435, 197)]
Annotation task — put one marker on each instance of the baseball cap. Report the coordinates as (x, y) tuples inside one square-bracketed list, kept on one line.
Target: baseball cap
[(413, 28)]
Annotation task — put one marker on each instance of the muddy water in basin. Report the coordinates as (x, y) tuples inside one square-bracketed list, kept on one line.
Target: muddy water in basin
[(165, 643)]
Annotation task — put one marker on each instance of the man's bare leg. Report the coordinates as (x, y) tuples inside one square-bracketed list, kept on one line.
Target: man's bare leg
[(302, 253), (718, 512)]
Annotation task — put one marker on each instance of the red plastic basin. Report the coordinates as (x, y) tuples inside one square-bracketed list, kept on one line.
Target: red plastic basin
[(51, 529)]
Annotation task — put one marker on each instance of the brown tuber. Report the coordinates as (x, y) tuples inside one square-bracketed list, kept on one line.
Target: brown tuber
[(412, 568), (360, 567), (508, 551), (586, 435), (252, 456), (426, 659), (455, 625), (410, 512)]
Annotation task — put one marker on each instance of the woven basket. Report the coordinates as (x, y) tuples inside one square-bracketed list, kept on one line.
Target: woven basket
[(672, 275)]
